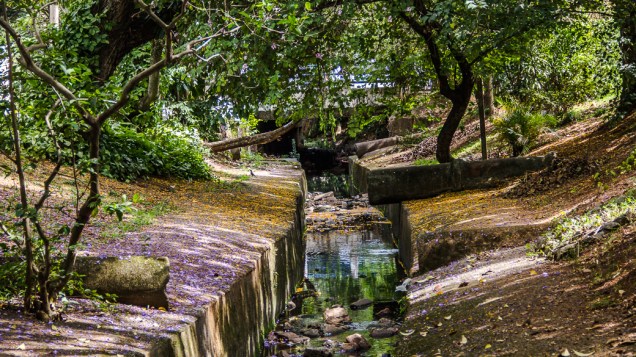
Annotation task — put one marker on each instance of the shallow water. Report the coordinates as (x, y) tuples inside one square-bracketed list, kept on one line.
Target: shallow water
[(345, 267), (339, 184)]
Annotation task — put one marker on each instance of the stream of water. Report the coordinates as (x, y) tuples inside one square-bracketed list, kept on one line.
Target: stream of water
[(345, 267)]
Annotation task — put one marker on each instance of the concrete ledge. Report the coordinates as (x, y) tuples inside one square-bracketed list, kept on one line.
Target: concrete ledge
[(436, 249), (397, 184)]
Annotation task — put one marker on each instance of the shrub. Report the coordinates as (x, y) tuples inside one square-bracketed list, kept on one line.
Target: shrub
[(520, 127), (127, 154)]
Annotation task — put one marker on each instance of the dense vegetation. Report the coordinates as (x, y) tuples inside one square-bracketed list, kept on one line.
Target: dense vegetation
[(131, 89)]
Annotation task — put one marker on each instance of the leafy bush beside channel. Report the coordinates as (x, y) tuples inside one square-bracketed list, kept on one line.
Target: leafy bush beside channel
[(127, 154)]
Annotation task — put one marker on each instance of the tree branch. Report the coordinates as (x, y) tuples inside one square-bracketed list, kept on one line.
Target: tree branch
[(427, 33), (59, 162), (125, 94)]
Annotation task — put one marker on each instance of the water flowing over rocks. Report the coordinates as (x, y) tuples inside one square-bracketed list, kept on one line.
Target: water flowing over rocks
[(348, 248)]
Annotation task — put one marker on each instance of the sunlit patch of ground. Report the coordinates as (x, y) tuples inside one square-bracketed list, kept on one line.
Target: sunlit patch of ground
[(507, 304)]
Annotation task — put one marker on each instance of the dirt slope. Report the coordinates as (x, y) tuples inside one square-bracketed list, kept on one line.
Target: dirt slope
[(498, 301)]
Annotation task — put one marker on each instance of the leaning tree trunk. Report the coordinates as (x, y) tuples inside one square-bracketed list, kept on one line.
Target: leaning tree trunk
[(625, 15), (445, 137), (257, 139), (459, 94)]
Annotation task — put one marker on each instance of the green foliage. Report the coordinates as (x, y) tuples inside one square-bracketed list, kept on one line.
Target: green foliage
[(520, 127), (570, 229), (119, 208), (579, 61), (339, 184), (425, 162), (294, 153), (362, 119), (127, 154), (252, 159), (12, 267), (144, 214)]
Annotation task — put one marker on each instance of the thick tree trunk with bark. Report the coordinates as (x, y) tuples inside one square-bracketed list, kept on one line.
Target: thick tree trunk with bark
[(257, 139), (459, 94), (131, 28), (459, 105)]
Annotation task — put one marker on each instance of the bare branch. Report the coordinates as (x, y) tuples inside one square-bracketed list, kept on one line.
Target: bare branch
[(58, 165), (125, 94), (36, 32), (4, 229), (152, 14)]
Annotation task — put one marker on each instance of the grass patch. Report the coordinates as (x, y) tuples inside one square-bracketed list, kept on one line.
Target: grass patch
[(474, 147), (574, 229), (252, 159), (142, 216), (218, 184), (602, 303), (425, 162)]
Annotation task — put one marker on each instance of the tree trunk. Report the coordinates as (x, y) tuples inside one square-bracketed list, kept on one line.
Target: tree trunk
[(127, 32), (153, 81), (17, 147), (625, 16), (445, 137), (459, 95), (480, 97), (489, 98), (256, 139), (83, 214)]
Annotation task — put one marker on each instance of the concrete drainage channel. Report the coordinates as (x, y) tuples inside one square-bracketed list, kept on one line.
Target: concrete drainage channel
[(255, 278), (348, 303)]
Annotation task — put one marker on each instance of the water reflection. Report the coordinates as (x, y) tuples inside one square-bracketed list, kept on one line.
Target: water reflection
[(348, 266), (339, 184)]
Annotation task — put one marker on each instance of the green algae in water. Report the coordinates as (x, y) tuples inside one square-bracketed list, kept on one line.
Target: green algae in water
[(348, 266)]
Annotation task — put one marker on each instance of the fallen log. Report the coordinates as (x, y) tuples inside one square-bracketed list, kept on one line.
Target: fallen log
[(256, 139), (397, 184), (373, 145)]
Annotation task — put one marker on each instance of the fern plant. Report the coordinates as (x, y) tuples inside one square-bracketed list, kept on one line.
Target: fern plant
[(520, 127)]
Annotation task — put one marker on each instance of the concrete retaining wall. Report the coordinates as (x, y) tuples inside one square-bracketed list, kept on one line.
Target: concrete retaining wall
[(422, 251), (357, 176), (235, 324), (402, 232), (396, 184)]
